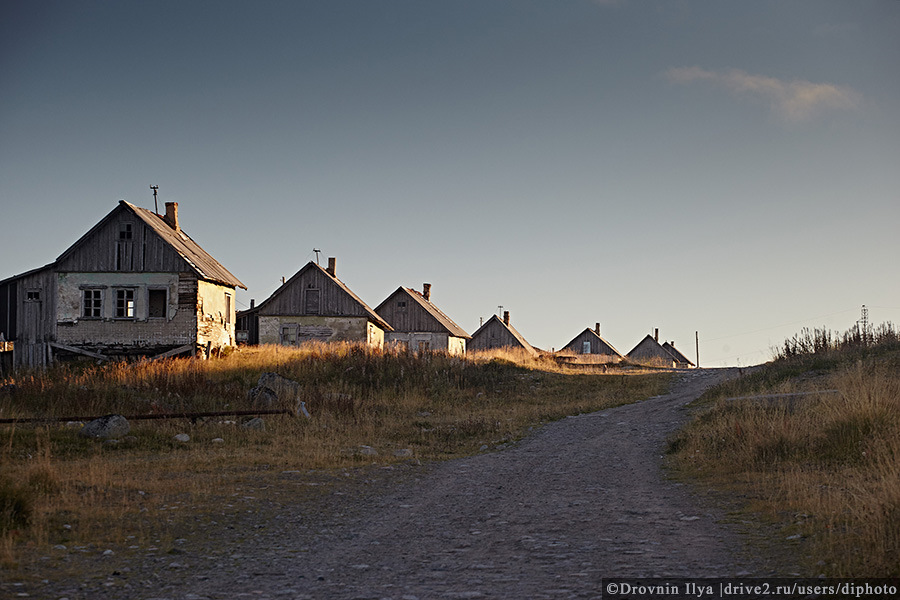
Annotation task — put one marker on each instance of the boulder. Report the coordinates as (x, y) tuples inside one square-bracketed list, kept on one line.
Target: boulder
[(110, 426), (182, 437), (255, 424), (272, 390)]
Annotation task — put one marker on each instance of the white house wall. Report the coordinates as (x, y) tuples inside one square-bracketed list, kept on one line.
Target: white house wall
[(320, 329), (442, 342)]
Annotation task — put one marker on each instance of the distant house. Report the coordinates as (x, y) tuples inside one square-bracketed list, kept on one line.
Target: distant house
[(420, 325), (313, 306), (590, 342), (681, 361), (649, 350), (134, 285), (499, 333)]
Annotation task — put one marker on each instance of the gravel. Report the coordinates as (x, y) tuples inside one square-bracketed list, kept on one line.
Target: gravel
[(579, 500)]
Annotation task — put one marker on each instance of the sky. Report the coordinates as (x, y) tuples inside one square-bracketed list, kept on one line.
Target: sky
[(721, 171)]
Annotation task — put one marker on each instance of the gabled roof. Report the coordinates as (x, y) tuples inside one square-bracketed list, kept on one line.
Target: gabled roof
[(199, 261), (370, 314), (512, 330), (596, 335), (679, 357), (445, 321), (650, 347)]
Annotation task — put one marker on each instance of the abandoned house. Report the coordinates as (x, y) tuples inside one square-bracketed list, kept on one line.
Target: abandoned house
[(589, 341), (134, 285), (499, 333), (649, 350), (312, 306), (681, 361), (418, 324)]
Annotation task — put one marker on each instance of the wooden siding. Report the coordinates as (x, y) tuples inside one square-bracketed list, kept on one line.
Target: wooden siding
[(291, 298), (496, 334), (598, 345), (409, 317), (97, 252)]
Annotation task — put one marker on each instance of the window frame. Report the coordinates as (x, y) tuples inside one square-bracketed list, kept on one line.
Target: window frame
[(93, 304), (151, 292), (126, 308)]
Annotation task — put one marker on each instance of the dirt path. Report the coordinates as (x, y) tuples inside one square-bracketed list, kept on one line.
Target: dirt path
[(581, 499)]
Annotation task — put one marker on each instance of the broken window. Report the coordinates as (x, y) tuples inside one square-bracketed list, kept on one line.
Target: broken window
[(156, 303), (312, 302), (124, 304), (92, 304), (124, 248)]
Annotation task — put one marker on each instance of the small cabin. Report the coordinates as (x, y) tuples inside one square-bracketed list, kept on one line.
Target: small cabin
[(418, 324), (590, 342), (313, 306), (499, 333)]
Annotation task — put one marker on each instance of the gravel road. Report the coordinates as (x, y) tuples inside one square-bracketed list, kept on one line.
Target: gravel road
[(580, 499)]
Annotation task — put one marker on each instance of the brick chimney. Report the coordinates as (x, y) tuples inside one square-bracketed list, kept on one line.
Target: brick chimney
[(332, 266), (597, 328), (426, 291), (171, 217), (656, 335), (506, 317)]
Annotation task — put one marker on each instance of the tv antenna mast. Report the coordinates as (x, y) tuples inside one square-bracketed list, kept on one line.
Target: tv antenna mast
[(316, 250), (864, 324), (155, 189)]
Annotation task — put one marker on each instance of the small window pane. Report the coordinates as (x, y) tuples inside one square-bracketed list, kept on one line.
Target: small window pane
[(93, 304), (125, 304)]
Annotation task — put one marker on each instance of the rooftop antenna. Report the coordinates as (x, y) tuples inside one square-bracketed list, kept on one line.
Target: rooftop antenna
[(155, 188), (316, 250)]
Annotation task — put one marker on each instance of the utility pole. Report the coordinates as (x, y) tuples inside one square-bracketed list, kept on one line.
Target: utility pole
[(697, 340)]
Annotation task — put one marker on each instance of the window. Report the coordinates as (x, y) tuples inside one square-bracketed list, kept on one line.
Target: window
[(92, 304), (228, 309), (401, 304), (586, 347), (33, 296), (288, 336), (312, 302), (156, 303), (124, 304), (124, 248)]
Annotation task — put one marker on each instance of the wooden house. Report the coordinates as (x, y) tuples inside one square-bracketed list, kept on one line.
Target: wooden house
[(590, 342), (650, 351), (418, 324), (134, 285), (499, 333), (313, 306), (681, 361)]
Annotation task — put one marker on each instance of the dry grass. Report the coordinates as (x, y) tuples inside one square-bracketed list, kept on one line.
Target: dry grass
[(80, 492), (826, 466)]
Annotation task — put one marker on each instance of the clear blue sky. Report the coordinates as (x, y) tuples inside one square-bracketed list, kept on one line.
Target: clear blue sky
[(731, 168)]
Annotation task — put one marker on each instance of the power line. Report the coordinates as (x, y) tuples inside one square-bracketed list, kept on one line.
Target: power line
[(725, 337)]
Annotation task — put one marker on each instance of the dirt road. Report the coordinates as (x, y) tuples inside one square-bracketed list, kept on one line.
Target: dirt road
[(581, 499)]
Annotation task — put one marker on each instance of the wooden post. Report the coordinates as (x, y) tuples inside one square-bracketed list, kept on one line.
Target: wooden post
[(697, 339)]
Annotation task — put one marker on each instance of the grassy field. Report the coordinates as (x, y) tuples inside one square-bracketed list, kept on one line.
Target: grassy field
[(365, 407), (824, 465)]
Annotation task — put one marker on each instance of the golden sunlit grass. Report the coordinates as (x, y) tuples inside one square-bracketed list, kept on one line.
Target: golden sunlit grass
[(366, 407), (827, 465)]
